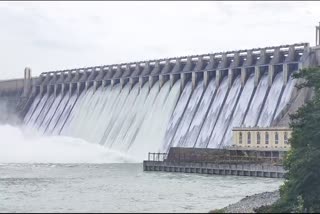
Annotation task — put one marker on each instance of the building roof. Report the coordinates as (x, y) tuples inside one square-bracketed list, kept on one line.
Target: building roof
[(256, 128)]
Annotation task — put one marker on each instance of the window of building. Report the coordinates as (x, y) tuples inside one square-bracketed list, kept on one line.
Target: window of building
[(258, 138), (276, 138), (249, 137), (267, 138), (240, 138), (286, 138)]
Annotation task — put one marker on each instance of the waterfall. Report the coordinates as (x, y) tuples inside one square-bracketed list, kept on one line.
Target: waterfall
[(44, 112), (50, 113), (206, 130), (122, 119), (57, 114), (225, 115), (287, 94), (200, 115), (152, 130), (32, 108), (257, 102), (271, 102), (180, 136), (239, 112), (177, 115), (136, 119), (38, 110)]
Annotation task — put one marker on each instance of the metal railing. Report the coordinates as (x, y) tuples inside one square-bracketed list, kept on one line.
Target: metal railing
[(157, 156)]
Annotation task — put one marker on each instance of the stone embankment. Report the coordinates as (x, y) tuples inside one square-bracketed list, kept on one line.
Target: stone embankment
[(249, 203)]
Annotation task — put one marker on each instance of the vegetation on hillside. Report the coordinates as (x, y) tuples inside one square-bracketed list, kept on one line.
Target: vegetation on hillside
[(301, 190)]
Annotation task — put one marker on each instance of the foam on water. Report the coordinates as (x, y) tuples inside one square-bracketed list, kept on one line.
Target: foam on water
[(32, 148)]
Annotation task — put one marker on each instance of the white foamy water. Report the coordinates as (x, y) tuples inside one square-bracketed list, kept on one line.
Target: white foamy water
[(177, 115), (257, 102), (47, 119), (64, 115), (180, 136), (123, 116), (141, 114), (286, 97), (38, 110), (151, 134), (240, 110), (44, 112), (56, 116), (27, 147), (213, 114), (225, 115), (32, 108), (200, 115), (120, 143), (271, 101), (114, 114)]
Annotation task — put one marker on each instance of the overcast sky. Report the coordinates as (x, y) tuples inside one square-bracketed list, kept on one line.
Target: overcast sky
[(50, 36)]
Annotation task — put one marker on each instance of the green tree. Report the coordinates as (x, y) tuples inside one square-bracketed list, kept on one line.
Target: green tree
[(301, 189)]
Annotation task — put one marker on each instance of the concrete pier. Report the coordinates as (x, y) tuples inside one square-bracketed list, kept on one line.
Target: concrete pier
[(238, 162), (253, 170)]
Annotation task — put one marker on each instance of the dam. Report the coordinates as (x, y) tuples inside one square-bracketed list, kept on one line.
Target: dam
[(154, 105)]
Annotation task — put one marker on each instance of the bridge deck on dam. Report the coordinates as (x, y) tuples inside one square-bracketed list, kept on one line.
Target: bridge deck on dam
[(290, 57)]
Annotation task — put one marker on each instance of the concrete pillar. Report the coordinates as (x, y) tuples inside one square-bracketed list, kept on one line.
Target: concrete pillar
[(206, 78), (230, 77), (140, 82), (95, 85), (78, 88), (257, 75), (194, 76), (122, 83), (244, 76), (113, 82), (183, 81), (218, 77), (131, 82), (63, 88), (41, 90), (173, 79), (70, 89), (49, 89), (86, 86), (55, 90), (27, 84), (151, 81), (161, 80), (271, 73), (285, 73)]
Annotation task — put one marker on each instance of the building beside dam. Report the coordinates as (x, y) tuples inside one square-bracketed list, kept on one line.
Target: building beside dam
[(188, 102), (262, 138)]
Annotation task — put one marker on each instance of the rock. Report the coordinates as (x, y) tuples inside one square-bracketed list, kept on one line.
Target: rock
[(249, 203)]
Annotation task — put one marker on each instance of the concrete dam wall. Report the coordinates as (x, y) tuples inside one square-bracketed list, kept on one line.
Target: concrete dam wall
[(192, 101)]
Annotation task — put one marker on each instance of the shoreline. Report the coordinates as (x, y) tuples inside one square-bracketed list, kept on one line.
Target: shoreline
[(249, 203)]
